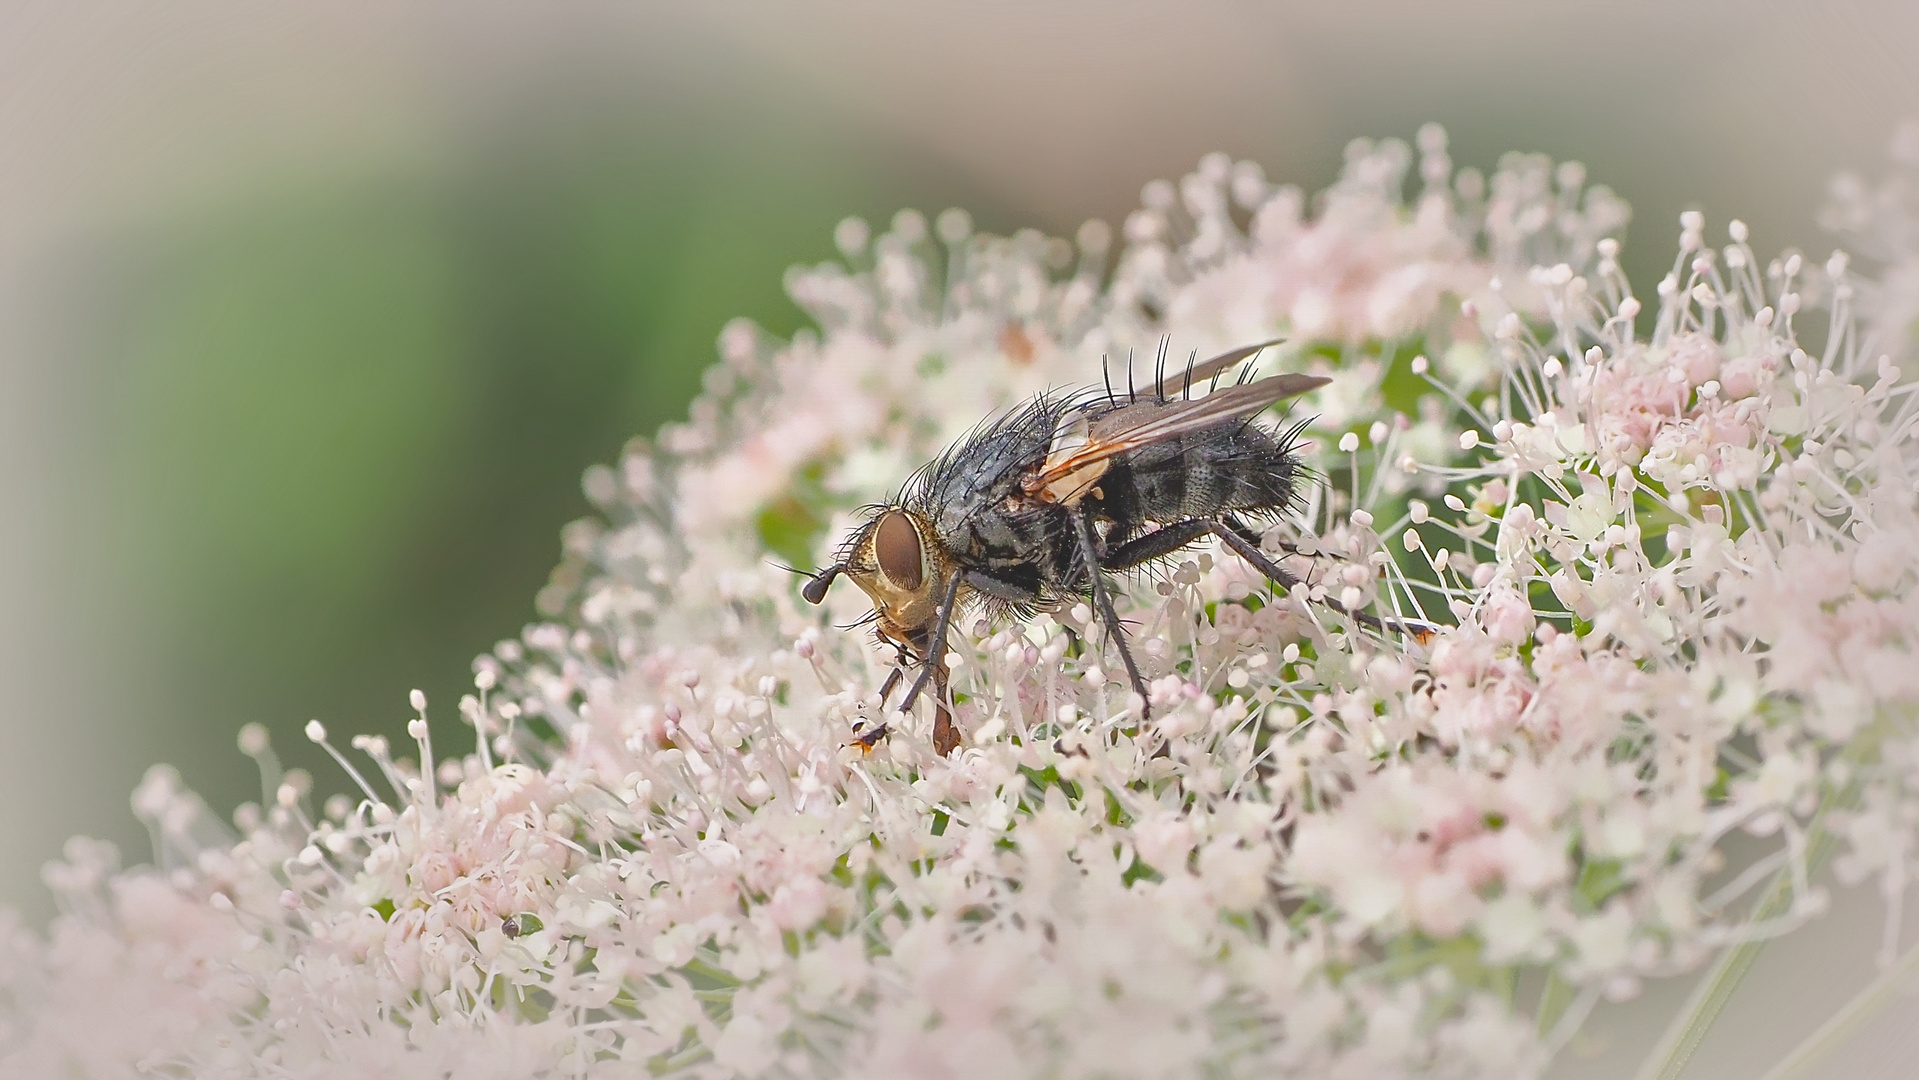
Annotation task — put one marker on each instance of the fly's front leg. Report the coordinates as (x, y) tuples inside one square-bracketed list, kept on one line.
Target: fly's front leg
[(945, 735), (933, 648), (893, 678), (868, 737), (1089, 557)]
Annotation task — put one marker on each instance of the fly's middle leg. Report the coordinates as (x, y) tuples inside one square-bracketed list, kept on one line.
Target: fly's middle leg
[(1103, 600)]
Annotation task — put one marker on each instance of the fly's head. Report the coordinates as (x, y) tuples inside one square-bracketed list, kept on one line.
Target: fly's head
[(893, 560)]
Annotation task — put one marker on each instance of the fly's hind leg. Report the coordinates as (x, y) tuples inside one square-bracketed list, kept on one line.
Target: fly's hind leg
[(1170, 538), (1236, 536), (1103, 600), (1160, 542)]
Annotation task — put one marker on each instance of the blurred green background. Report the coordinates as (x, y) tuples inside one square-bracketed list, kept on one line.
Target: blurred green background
[(338, 424), (311, 318)]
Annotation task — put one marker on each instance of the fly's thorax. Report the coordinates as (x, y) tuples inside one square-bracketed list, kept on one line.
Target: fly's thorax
[(895, 562)]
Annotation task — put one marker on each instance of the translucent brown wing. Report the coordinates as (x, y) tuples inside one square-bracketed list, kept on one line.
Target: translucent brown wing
[(1183, 380), (1070, 471)]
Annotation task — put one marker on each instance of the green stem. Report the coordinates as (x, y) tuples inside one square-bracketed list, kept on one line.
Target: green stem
[(1848, 1020), (1682, 1038), (1709, 998), (1554, 1000), (1461, 955)]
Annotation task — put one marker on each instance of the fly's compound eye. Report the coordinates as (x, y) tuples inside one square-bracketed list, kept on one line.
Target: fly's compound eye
[(896, 546)]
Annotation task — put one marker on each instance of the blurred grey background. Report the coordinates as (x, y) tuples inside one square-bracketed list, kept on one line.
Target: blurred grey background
[(311, 315)]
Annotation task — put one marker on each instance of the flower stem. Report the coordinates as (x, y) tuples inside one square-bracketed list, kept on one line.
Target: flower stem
[(1682, 1038), (1553, 1002), (1848, 1020), (1668, 1059)]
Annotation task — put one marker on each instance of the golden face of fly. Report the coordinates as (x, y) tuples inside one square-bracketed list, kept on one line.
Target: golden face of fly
[(894, 565)]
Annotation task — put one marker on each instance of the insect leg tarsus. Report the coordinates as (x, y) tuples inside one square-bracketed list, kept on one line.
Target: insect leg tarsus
[(1103, 600)]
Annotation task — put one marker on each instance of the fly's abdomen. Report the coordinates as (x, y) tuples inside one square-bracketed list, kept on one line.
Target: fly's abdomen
[(1238, 468)]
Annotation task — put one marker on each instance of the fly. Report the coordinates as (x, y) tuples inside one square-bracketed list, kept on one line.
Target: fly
[(1037, 507)]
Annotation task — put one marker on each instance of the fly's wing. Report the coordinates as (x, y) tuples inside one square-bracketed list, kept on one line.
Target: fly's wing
[(1199, 374), (1072, 470), (1145, 422)]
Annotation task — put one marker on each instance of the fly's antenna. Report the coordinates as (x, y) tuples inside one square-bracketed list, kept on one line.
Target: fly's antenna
[(814, 591)]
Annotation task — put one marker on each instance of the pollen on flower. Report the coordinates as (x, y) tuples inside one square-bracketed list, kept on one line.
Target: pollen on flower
[(1583, 601)]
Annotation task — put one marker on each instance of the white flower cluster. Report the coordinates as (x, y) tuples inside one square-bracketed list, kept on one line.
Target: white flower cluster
[(1672, 580)]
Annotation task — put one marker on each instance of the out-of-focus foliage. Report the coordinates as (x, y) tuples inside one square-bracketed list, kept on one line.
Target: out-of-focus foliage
[(344, 420)]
